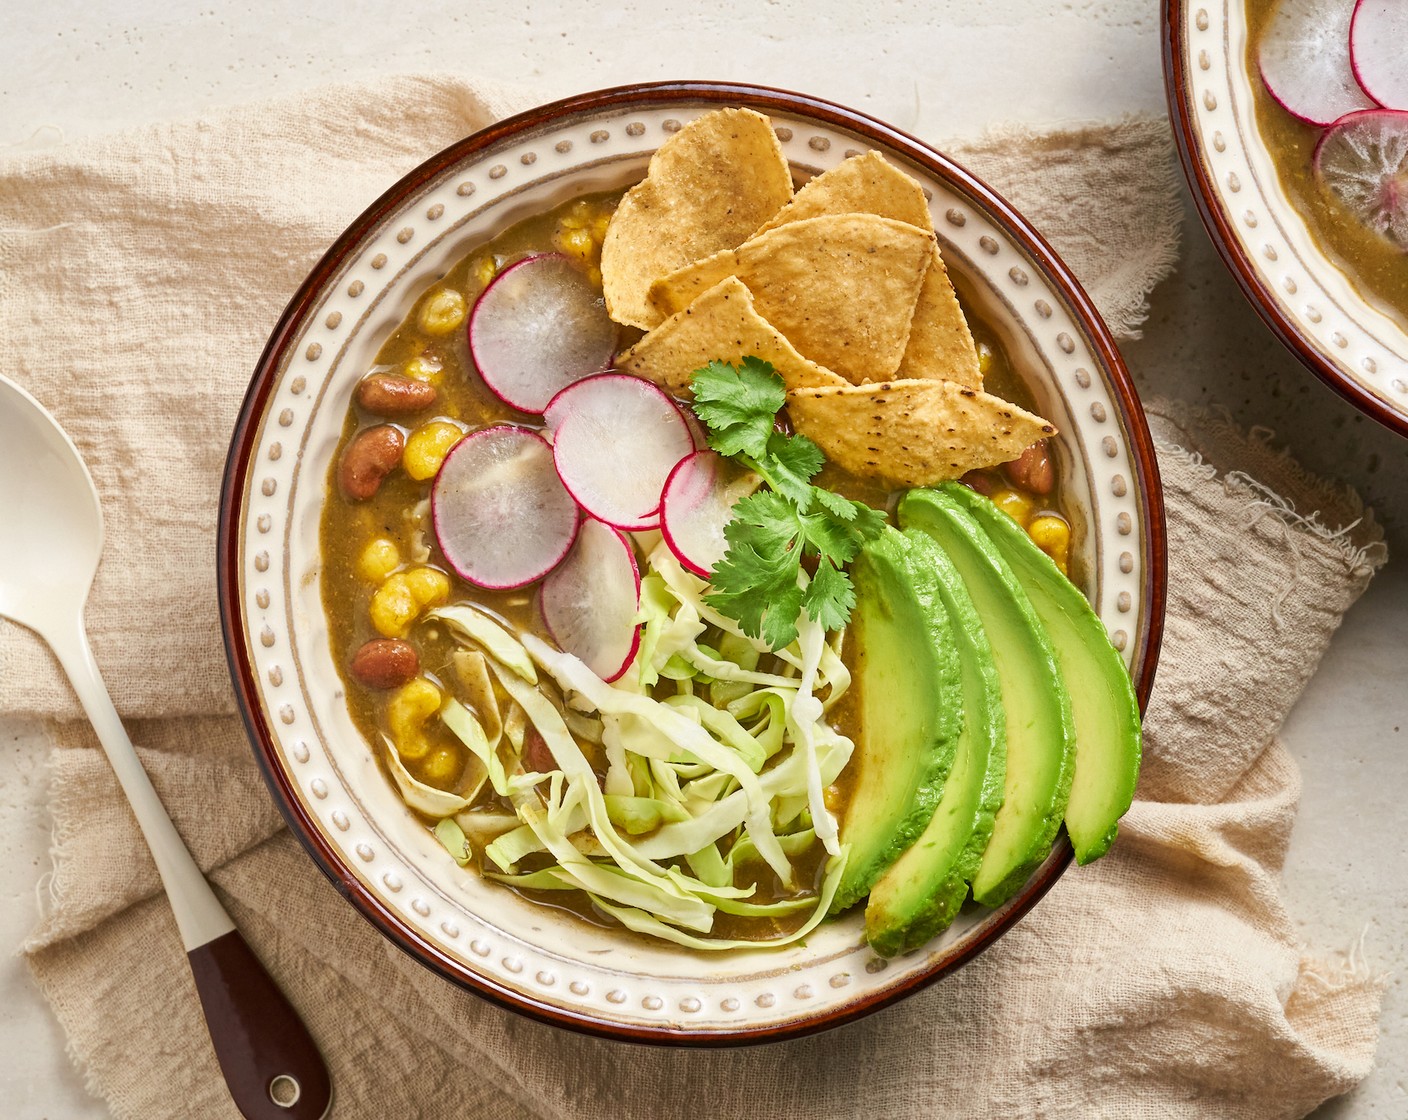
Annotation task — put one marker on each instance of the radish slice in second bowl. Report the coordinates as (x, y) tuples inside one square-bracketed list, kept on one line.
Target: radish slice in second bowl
[(698, 503), (538, 327), (1378, 50), (1304, 60), (615, 439), (590, 602), (502, 516), (1363, 159)]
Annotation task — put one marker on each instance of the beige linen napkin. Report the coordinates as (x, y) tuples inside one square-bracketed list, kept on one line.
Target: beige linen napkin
[(1164, 980)]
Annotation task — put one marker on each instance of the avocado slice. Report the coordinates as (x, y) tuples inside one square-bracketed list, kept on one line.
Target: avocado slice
[(925, 887), (909, 703), (1103, 704), (1040, 734)]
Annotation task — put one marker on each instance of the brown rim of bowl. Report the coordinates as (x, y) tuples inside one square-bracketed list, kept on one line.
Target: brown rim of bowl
[(294, 316), (1229, 246)]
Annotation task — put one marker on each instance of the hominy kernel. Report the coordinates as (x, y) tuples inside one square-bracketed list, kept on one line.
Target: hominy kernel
[(443, 312), (1052, 535), (393, 607), (406, 716), (1016, 505), (378, 559), (425, 368), (441, 768), (426, 448), (577, 242)]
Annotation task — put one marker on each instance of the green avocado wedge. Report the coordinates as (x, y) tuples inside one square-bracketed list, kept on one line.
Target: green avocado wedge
[(922, 892), (910, 707), (1040, 733), (1103, 704)]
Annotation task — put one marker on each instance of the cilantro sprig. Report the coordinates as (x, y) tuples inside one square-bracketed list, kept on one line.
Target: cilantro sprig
[(786, 521)]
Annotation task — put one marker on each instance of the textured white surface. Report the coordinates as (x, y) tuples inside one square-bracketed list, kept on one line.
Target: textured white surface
[(936, 69)]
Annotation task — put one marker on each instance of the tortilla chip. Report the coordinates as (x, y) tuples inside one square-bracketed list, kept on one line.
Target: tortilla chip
[(841, 287), (721, 324), (914, 432), (864, 184), (940, 343), (708, 187)]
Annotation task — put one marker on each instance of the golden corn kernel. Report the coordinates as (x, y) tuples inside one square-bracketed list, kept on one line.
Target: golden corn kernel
[(1013, 503), (406, 715), (831, 797), (1052, 535), (425, 368), (378, 559), (393, 607), (483, 271), (984, 358), (443, 311), (598, 227), (427, 446), (429, 587), (594, 276), (441, 767), (575, 242)]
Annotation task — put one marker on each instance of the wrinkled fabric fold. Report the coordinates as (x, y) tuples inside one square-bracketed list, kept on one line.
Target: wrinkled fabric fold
[(1164, 980)]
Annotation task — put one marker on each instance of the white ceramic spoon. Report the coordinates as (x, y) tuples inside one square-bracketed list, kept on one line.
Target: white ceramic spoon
[(53, 532)]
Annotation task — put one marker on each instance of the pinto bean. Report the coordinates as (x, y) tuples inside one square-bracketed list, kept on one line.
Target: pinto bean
[(370, 457), (385, 663), (980, 481), (1032, 470), (537, 758), (394, 396)]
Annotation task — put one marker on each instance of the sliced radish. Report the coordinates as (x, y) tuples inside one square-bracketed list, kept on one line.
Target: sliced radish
[(1304, 60), (697, 432), (1363, 159), (615, 439), (537, 328), (590, 602), (502, 516), (698, 503), (1378, 50)]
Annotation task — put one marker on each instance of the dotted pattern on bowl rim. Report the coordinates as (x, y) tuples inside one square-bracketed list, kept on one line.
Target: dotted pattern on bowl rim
[(1345, 331), (273, 510)]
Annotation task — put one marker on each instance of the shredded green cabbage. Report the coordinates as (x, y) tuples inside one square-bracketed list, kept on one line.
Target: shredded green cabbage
[(670, 788)]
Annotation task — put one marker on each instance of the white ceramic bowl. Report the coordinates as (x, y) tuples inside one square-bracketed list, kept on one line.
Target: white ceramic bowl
[(1302, 294), (321, 771)]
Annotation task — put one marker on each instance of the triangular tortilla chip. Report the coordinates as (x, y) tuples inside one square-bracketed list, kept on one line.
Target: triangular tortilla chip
[(914, 432), (721, 324), (708, 187), (841, 288), (864, 184), (940, 343)]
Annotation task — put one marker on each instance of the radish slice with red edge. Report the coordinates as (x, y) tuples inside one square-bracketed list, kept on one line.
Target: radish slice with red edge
[(615, 439), (539, 326), (502, 517), (697, 432), (1304, 60), (1378, 50), (591, 601), (698, 503), (1363, 160)]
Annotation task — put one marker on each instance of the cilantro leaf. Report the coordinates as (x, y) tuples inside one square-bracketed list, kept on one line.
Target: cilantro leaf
[(829, 597), (760, 582), (791, 462), (738, 405)]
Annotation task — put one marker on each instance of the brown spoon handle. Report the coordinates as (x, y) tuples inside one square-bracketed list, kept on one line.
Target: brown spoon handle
[(269, 1060)]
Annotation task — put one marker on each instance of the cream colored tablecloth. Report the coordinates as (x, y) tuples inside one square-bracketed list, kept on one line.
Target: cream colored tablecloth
[(139, 276)]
